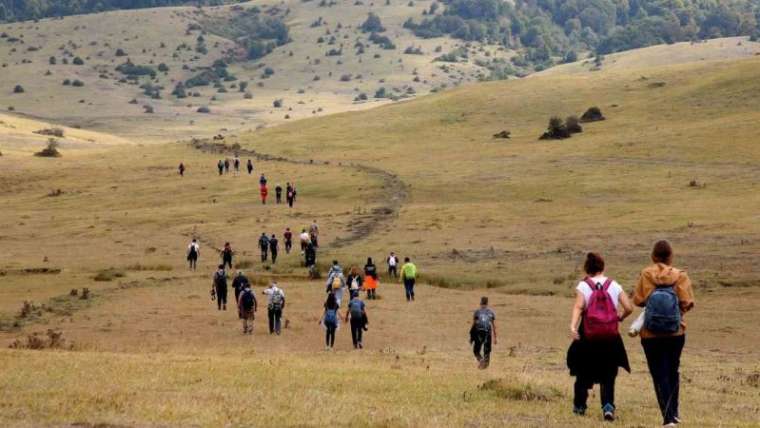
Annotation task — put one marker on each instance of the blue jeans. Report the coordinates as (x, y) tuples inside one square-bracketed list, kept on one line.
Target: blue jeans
[(409, 288)]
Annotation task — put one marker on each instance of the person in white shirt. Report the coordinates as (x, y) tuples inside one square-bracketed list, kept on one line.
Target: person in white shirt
[(305, 239), (392, 261), (275, 305), (193, 252)]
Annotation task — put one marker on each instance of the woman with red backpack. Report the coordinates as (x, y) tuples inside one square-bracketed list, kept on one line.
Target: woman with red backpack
[(667, 295), (597, 350)]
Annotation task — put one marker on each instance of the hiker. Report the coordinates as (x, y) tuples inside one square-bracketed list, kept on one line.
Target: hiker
[(597, 349), (409, 276), (288, 235), (236, 164), (226, 165), (305, 240), (392, 262), (227, 255), (239, 283), (264, 192), (193, 252), (355, 282), (181, 169), (250, 167), (220, 167), (314, 234), (273, 248), (336, 282), (358, 315), (483, 333), (262, 180), (330, 320), (247, 307), (278, 194), (371, 279), (666, 294), (295, 193), (264, 246), (289, 195), (219, 288), (310, 259), (275, 305)]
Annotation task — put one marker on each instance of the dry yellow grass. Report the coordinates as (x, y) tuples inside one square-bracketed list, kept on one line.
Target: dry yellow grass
[(149, 349)]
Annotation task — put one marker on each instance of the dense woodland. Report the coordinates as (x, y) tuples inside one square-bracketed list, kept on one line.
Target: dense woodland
[(561, 28), (22, 10)]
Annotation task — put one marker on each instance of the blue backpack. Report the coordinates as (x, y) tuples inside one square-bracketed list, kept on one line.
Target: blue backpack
[(663, 313), (331, 317)]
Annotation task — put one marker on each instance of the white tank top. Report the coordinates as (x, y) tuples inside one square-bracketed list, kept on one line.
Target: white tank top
[(614, 290)]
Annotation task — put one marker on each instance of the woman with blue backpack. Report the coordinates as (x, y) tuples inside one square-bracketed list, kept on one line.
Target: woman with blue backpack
[(597, 350), (666, 294), (330, 320)]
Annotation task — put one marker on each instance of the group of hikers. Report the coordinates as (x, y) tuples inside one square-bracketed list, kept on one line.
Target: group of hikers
[(223, 167), (597, 350)]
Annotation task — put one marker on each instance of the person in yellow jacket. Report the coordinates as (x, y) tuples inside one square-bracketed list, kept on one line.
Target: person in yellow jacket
[(409, 276)]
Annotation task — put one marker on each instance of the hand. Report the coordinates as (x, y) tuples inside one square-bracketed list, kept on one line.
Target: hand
[(495, 341), (574, 334)]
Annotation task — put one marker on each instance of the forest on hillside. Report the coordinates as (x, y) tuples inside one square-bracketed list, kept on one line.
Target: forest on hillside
[(23, 10), (550, 29)]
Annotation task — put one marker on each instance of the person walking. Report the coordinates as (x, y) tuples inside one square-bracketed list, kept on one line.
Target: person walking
[(262, 180), (310, 260), (597, 350), (392, 262), (239, 283), (264, 246), (226, 165), (336, 282), (667, 295), (275, 306), (409, 276), (220, 167), (278, 194), (357, 313), (330, 320), (227, 255), (288, 235), (219, 288), (273, 248), (355, 282), (371, 280), (250, 167), (263, 192), (193, 252), (181, 169), (314, 233), (236, 164), (247, 307), (305, 239), (483, 333), (289, 195)]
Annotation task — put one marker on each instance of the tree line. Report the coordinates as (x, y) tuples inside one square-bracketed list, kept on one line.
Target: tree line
[(14, 10)]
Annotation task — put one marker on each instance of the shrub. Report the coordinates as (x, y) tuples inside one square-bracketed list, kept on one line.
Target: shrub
[(382, 41), (18, 89), (345, 78), (203, 109), (556, 130), (77, 83), (381, 93), (148, 109), (108, 275), (52, 60), (277, 103), (361, 97), (520, 391), (54, 132), (51, 151), (163, 68), (573, 125), (66, 82), (120, 52), (593, 114), (372, 24), (78, 61)]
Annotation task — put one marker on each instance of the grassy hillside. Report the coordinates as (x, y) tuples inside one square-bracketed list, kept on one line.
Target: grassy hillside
[(675, 158)]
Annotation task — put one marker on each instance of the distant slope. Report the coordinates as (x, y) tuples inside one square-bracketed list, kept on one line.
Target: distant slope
[(11, 10)]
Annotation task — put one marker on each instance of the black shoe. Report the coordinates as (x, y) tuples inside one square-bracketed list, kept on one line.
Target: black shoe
[(580, 411)]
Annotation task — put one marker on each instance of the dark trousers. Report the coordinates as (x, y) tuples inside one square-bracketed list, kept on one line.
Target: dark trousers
[(278, 198), (274, 257), (288, 246), (227, 261), (290, 202), (393, 271), (482, 342), (357, 327), (371, 294), (274, 320), (409, 288), (263, 255), (221, 296), (664, 359), (330, 335), (606, 391), (193, 261)]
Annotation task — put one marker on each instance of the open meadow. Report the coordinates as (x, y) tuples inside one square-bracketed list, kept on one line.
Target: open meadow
[(677, 158)]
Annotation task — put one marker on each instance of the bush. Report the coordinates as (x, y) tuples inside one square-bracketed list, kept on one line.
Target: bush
[(108, 275), (148, 109), (381, 93), (54, 132), (51, 151), (277, 103), (66, 82), (573, 125), (78, 61), (382, 41), (18, 89), (77, 83), (163, 68), (120, 52), (556, 130), (203, 109), (593, 114), (345, 78), (52, 60), (372, 24)]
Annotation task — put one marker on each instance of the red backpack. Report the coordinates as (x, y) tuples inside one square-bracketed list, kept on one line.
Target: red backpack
[(600, 322)]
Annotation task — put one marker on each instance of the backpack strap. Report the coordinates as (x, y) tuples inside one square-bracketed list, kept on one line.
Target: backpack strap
[(590, 283), (607, 284)]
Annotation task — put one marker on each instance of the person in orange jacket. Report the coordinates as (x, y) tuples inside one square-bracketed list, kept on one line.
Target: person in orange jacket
[(264, 193)]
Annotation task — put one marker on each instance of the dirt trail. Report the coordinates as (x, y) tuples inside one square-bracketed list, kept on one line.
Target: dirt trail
[(394, 193)]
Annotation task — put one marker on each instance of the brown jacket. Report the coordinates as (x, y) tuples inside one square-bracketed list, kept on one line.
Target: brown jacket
[(662, 274)]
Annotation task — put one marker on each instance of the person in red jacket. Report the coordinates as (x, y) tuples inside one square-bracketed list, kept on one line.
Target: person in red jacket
[(264, 193)]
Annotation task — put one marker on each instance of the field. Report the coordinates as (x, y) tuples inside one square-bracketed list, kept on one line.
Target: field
[(676, 158)]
